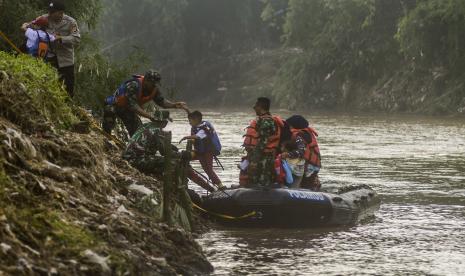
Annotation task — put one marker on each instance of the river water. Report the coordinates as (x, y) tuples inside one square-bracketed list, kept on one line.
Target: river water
[(416, 164)]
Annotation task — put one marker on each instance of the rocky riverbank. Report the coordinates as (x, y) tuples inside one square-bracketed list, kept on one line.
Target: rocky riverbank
[(68, 203)]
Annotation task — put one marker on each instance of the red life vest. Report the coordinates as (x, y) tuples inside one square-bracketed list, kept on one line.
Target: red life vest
[(251, 137), (312, 150), (122, 98), (280, 173)]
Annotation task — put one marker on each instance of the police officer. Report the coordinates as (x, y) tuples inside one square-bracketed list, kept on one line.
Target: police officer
[(66, 31), (128, 100)]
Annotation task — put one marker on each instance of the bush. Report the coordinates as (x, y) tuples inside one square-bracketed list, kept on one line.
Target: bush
[(40, 82)]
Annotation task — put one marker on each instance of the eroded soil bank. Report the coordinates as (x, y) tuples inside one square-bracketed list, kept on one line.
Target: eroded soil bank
[(68, 203)]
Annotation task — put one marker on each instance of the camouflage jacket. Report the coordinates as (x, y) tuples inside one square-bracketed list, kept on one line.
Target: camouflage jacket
[(132, 88), (147, 141), (266, 127)]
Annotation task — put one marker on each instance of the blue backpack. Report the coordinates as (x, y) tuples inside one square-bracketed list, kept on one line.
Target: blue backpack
[(118, 97), (211, 143), (41, 48)]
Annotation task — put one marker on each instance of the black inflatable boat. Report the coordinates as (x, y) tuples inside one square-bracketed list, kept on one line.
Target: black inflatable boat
[(291, 208)]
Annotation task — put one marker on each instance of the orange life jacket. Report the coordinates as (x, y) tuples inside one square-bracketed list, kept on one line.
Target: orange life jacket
[(121, 98), (312, 150), (251, 137)]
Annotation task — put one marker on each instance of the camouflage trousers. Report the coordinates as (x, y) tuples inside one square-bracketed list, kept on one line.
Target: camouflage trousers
[(156, 165), (263, 174), (149, 164)]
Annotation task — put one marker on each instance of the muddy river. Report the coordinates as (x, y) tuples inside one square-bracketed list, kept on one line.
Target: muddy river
[(416, 164)]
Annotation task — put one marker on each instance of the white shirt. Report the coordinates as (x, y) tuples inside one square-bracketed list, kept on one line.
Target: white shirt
[(32, 37), (201, 134)]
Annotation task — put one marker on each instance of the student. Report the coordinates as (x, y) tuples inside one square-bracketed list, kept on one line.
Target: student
[(38, 40), (305, 138), (293, 152), (206, 145)]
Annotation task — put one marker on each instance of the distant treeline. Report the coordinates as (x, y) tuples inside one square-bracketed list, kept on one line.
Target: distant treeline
[(396, 55)]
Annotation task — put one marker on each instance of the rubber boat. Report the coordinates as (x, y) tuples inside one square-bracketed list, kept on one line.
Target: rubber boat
[(290, 207)]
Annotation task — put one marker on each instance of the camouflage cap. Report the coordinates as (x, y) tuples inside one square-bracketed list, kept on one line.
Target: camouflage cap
[(162, 116)]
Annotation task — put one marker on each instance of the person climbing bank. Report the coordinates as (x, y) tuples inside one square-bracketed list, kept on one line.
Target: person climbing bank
[(128, 100), (206, 147)]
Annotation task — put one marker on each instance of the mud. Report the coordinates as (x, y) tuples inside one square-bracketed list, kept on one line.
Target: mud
[(70, 205)]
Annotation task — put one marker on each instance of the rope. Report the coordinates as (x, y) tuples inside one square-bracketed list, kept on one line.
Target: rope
[(251, 214), (10, 42), (218, 162)]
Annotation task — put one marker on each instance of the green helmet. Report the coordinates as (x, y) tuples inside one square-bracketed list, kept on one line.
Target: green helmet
[(152, 76)]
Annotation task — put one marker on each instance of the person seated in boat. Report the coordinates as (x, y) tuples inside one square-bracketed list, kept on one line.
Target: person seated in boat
[(305, 139), (261, 143), (206, 146), (292, 152), (146, 150)]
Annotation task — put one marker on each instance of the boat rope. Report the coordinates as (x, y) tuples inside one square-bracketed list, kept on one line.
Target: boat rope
[(218, 163), (10, 42), (251, 214), (210, 182)]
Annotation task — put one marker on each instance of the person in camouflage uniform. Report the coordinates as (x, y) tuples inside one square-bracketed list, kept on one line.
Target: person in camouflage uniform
[(261, 143), (128, 100), (146, 150)]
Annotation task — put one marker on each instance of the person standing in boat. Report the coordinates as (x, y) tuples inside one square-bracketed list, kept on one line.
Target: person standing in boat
[(304, 138), (261, 143)]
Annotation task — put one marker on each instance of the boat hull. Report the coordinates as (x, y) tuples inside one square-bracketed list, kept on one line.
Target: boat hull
[(291, 207)]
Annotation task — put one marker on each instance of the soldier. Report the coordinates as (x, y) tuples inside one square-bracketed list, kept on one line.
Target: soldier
[(261, 143), (128, 100), (146, 149)]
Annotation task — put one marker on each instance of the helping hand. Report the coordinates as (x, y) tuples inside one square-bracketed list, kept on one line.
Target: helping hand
[(181, 105)]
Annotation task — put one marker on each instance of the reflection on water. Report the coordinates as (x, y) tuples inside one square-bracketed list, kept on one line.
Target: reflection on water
[(416, 164)]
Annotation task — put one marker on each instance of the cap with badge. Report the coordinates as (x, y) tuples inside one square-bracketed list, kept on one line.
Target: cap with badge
[(55, 6)]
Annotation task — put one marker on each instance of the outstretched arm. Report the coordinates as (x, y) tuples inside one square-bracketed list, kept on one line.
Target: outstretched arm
[(178, 105), (191, 137)]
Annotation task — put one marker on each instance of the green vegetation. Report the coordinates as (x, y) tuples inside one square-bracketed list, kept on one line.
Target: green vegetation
[(327, 54), (40, 82), (96, 75)]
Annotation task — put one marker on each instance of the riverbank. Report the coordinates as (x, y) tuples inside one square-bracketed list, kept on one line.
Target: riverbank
[(69, 204)]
